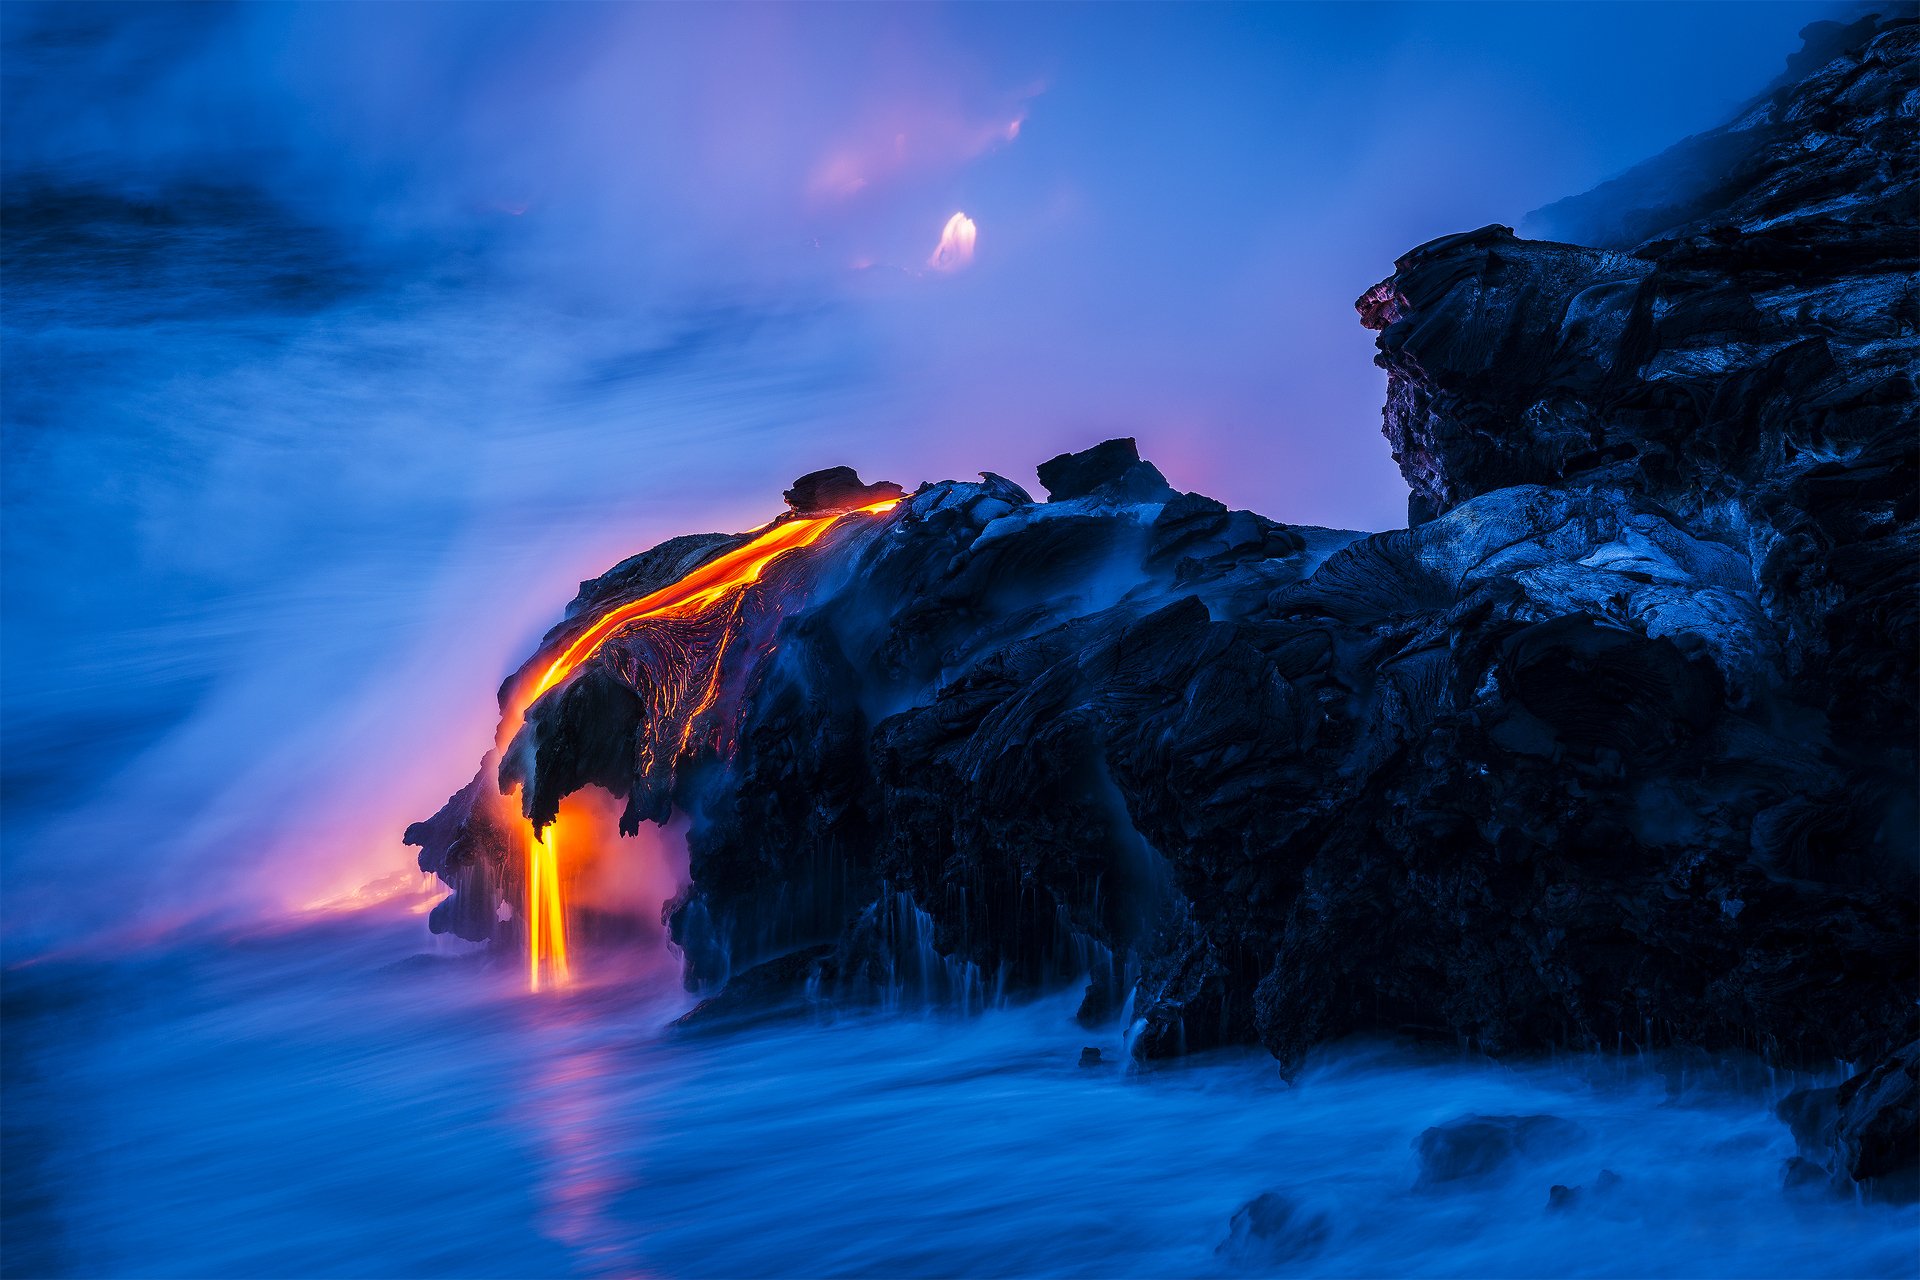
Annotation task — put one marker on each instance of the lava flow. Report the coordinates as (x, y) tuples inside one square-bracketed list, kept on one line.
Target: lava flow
[(701, 590)]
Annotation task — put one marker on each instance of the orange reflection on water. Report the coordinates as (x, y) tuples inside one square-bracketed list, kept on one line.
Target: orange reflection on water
[(577, 1099)]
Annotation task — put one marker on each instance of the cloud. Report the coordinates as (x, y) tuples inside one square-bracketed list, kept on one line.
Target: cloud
[(912, 139)]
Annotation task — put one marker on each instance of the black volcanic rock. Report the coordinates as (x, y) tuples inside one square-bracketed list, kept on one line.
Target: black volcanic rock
[(1112, 468), (1270, 1229), (1472, 1148), (837, 489), (1878, 1125), (1865, 1130), (771, 989), (1832, 137), (1751, 368), (468, 844), (1613, 748)]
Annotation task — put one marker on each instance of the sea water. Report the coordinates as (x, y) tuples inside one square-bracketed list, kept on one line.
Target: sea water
[(350, 1097)]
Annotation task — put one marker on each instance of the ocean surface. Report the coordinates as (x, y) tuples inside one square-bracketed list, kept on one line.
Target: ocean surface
[(349, 1097)]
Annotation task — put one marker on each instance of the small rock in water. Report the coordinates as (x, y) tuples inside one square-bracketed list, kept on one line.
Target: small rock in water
[(1475, 1146), (769, 989), (1561, 1196), (1801, 1174), (1811, 1114), (1271, 1228), (1090, 1057)]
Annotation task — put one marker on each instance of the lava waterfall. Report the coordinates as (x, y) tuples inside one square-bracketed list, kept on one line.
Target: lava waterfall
[(673, 629)]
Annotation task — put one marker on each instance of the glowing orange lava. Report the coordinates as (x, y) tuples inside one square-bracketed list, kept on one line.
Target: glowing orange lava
[(700, 590), (546, 916)]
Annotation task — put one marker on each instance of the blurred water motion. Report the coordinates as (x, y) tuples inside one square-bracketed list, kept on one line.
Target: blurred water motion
[(327, 1102)]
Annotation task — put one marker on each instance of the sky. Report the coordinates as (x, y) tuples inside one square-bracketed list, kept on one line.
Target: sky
[(342, 341)]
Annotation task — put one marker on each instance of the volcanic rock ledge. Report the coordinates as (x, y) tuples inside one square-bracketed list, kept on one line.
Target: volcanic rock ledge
[(1613, 748)]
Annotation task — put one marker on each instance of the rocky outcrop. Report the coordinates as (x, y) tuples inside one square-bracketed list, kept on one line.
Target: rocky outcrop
[(1471, 1148), (1749, 366), (1864, 1131), (1272, 1230), (837, 489), (1613, 748), (1113, 468)]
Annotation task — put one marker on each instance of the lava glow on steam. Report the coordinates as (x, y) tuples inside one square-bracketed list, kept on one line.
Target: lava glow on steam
[(955, 249), (704, 588)]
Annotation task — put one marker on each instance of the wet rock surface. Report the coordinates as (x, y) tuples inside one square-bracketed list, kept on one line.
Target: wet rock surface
[(771, 988), (1614, 748), (1864, 1131), (1563, 1199), (1271, 1229), (1472, 1148)]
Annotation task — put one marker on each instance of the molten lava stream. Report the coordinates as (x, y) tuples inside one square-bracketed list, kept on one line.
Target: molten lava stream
[(546, 914), (702, 589)]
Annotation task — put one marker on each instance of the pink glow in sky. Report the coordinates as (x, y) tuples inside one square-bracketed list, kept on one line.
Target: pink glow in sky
[(903, 140)]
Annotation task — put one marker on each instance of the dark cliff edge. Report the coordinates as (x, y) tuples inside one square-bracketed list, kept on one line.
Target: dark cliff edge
[(1613, 748)]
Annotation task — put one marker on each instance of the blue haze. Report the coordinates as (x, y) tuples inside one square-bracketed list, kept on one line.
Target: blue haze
[(341, 341)]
